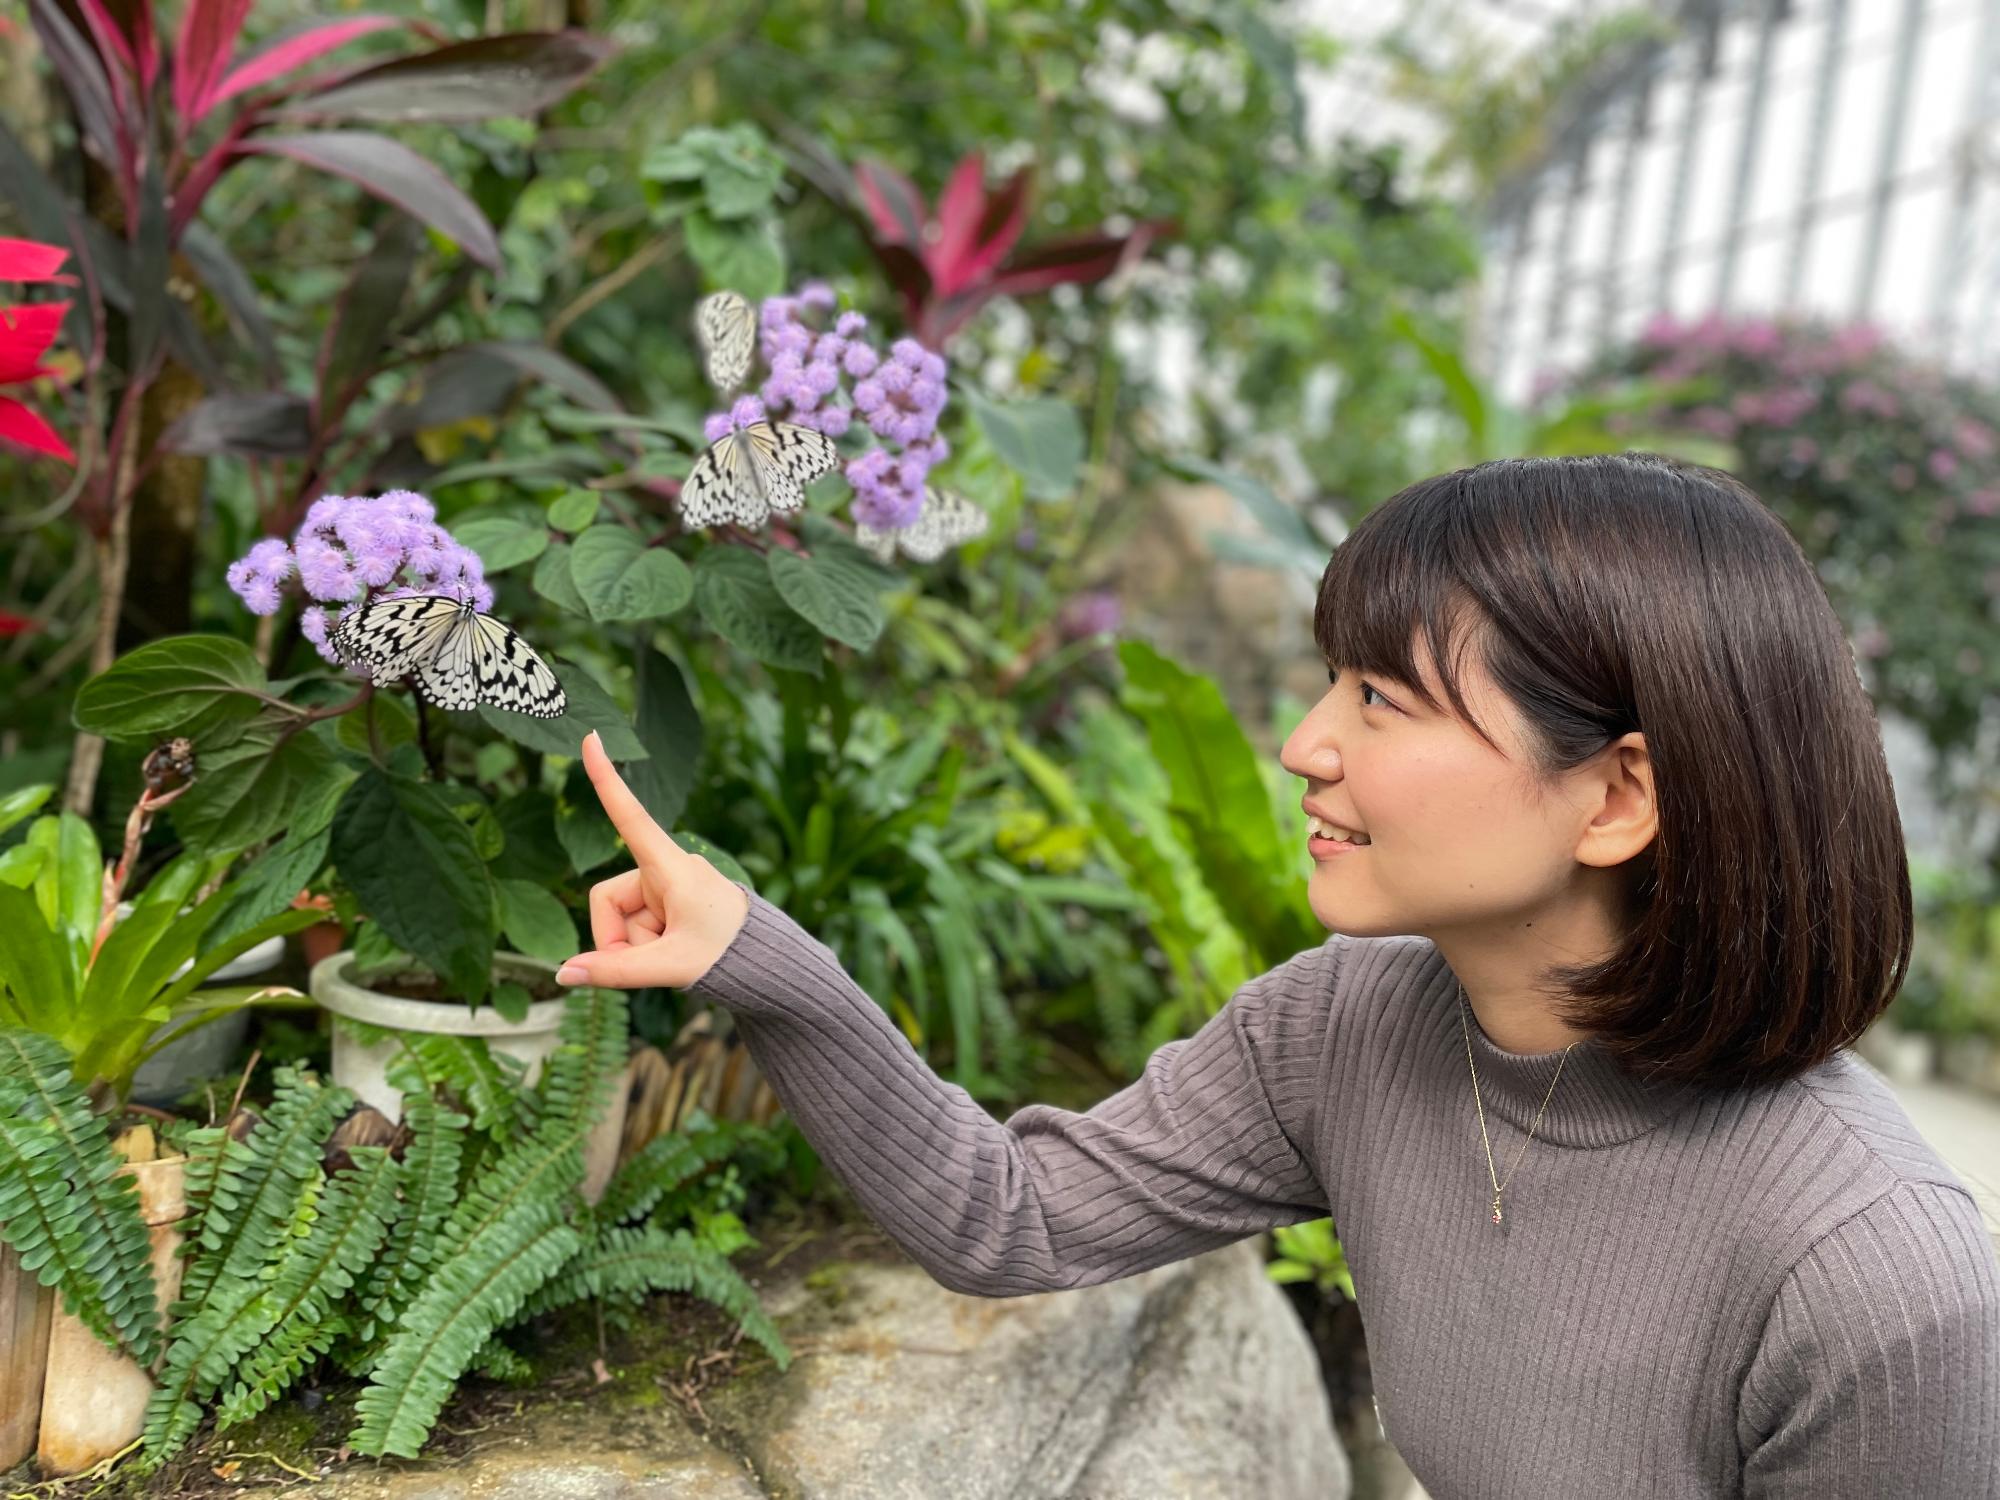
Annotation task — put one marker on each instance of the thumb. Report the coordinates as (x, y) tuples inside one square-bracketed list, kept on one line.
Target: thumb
[(629, 966)]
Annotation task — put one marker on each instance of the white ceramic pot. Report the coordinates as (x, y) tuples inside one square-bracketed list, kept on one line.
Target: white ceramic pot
[(363, 1066)]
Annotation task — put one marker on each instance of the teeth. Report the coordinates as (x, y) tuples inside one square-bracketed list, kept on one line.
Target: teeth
[(1325, 829)]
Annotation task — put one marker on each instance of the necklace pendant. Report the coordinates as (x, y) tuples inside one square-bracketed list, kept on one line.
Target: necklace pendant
[(1496, 1212)]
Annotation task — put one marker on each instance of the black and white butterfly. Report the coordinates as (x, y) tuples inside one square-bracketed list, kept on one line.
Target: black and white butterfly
[(945, 521), (727, 327), (746, 475), (459, 657)]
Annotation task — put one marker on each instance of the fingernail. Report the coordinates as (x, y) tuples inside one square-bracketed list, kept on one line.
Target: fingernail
[(572, 973), (593, 736)]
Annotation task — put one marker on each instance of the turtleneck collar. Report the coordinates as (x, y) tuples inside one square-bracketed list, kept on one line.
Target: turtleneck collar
[(1595, 1102)]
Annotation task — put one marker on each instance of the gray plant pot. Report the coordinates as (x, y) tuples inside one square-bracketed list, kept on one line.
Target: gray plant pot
[(206, 1050)]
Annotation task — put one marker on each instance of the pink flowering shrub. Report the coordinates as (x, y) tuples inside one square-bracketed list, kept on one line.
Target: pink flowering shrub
[(351, 549), (897, 399), (1884, 466)]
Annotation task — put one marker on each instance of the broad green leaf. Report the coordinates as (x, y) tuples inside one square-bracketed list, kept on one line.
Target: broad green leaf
[(590, 707), (394, 725), (414, 867), (268, 886), (251, 788), (743, 254), (36, 974), (1040, 438), (533, 851), (621, 578), (733, 589), (186, 684), (840, 599), (669, 726), (554, 581), (536, 923), (575, 510), (502, 541)]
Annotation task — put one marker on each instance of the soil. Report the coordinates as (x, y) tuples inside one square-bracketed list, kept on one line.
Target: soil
[(677, 1347)]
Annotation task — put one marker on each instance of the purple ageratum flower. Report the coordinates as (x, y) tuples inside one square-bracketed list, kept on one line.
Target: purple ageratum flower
[(256, 576), (1093, 612)]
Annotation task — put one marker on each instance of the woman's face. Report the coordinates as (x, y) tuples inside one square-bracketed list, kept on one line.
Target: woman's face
[(1463, 843)]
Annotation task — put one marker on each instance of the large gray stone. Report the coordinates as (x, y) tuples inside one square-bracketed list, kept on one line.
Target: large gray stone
[(1190, 1382)]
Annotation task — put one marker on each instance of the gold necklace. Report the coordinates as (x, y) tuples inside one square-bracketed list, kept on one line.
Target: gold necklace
[(1498, 1186)]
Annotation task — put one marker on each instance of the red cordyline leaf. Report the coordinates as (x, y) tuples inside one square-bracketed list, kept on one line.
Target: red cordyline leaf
[(894, 204), (209, 29), (19, 425), (12, 624), (26, 331), (281, 57), (31, 260)]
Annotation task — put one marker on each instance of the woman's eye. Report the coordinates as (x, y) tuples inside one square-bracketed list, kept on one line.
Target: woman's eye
[(1367, 687)]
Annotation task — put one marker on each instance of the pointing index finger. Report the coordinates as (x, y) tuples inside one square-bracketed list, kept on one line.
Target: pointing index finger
[(644, 837)]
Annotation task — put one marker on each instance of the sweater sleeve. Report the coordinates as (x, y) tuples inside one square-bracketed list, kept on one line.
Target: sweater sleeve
[(1208, 1146), (1878, 1372)]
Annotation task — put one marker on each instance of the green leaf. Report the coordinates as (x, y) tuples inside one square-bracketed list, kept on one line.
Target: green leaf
[(22, 803), (574, 511), (1039, 438), (840, 599), (415, 868), (188, 684), (268, 886), (533, 851), (502, 541), (743, 254), (590, 707), (512, 1000), (554, 582), (535, 922), (34, 964), (621, 578), (669, 726), (582, 828), (734, 591), (394, 723), (251, 788)]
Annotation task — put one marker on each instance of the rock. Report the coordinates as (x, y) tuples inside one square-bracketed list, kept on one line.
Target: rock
[(1191, 1381)]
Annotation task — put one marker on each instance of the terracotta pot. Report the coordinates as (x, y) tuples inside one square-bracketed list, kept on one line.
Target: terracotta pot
[(94, 1399)]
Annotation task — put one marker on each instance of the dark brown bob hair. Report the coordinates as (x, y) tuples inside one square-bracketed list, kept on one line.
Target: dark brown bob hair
[(1771, 916)]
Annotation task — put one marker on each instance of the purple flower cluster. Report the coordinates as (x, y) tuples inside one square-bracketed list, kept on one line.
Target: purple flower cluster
[(353, 548), (898, 398)]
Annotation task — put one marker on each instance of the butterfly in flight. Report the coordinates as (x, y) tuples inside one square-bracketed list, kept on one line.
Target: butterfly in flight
[(458, 657), (945, 521), (746, 475), (727, 328)]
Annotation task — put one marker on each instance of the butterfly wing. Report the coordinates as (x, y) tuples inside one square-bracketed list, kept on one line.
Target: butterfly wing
[(881, 543), (722, 486), (787, 458), (510, 674), (727, 329), (450, 677), (946, 520), (391, 637)]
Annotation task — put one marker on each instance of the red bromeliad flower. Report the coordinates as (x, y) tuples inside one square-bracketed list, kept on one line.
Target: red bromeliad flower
[(26, 331), (949, 266)]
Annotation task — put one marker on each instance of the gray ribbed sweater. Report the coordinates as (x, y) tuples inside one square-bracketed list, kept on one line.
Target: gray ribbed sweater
[(1779, 1291)]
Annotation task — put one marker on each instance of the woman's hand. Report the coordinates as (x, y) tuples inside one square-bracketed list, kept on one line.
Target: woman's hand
[(667, 921)]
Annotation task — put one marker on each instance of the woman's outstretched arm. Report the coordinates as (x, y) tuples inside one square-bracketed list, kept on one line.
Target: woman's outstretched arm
[(1210, 1144)]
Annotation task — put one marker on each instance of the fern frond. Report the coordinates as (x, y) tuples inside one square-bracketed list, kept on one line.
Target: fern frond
[(258, 1183), (578, 1077), (348, 1226), (465, 1299), (486, 1082), (495, 1361), (622, 1265), (64, 1205), (658, 1167), (430, 1188)]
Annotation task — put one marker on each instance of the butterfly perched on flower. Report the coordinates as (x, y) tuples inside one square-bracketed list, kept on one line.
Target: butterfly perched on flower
[(458, 657), (747, 474), (945, 521), (727, 328)]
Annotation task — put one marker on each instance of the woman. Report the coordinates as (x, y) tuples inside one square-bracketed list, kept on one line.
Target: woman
[(1624, 1215)]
